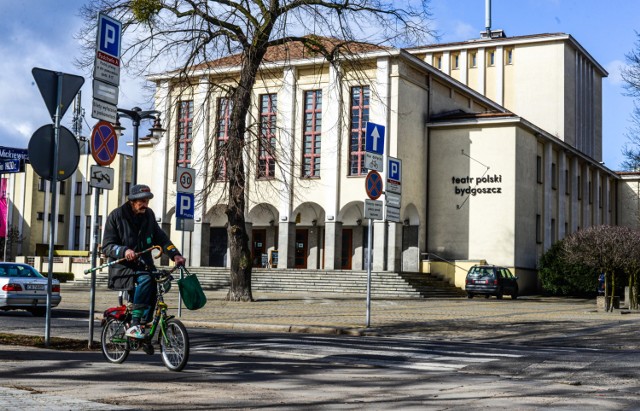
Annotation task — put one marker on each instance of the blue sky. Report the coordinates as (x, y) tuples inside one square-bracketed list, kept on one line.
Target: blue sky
[(40, 33)]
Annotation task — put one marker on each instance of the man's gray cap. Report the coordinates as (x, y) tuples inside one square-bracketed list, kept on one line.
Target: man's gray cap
[(139, 192)]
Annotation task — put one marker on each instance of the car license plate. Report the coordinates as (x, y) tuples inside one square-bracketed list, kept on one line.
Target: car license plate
[(34, 286)]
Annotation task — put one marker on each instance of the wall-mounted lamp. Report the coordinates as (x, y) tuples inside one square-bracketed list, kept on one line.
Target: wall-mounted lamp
[(330, 218), (314, 223), (359, 221), (406, 222), (283, 218), (271, 223), (158, 220), (198, 219)]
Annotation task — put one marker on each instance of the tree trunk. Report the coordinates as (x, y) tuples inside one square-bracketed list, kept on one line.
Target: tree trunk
[(241, 261)]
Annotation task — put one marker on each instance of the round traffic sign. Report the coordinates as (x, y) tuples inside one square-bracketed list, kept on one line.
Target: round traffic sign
[(185, 180), (373, 185), (104, 143), (40, 151)]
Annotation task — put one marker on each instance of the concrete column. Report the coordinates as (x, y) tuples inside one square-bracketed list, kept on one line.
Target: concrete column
[(379, 245), (575, 203), (586, 207), (464, 67), (199, 163), (595, 206), (332, 245), (359, 245), (482, 68), (547, 212), (394, 247), (331, 159), (313, 259), (286, 244), (562, 196), (446, 62), (500, 75)]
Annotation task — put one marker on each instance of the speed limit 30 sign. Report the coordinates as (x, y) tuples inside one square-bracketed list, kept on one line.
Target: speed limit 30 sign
[(186, 180)]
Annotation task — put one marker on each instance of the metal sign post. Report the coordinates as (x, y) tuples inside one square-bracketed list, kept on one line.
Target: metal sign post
[(369, 245), (94, 257)]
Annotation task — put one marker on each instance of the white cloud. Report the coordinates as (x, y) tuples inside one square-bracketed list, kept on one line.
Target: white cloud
[(615, 68)]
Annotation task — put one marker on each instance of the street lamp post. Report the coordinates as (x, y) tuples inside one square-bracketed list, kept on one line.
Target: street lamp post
[(136, 115)]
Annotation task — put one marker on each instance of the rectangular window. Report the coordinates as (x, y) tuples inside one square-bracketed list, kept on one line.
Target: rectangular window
[(267, 139), (491, 61), (63, 187), (600, 196), (473, 60), (456, 61), (40, 216), (61, 218), (76, 233), (223, 121), (539, 169), (579, 187), (312, 133), (509, 56), (438, 62), (554, 176), (553, 230), (360, 96), (42, 184), (78, 189), (567, 185), (184, 137), (538, 229), (127, 188), (590, 194)]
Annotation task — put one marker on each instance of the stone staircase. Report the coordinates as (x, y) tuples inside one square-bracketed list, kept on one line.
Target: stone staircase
[(383, 284)]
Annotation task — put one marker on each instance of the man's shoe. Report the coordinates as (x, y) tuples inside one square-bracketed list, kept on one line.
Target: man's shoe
[(135, 332), (147, 347)]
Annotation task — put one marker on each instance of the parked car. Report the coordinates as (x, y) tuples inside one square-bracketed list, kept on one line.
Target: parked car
[(22, 287), (491, 280)]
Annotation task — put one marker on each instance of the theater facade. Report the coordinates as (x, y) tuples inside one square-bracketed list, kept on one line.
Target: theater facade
[(500, 141)]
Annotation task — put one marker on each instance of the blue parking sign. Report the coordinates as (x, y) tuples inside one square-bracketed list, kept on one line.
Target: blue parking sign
[(109, 32), (395, 169), (184, 205)]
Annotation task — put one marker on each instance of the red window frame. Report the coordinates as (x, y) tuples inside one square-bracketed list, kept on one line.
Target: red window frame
[(184, 134), (223, 122), (312, 134), (267, 138), (360, 99)]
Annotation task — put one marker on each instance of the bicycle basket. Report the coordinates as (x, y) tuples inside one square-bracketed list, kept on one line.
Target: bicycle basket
[(191, 291)]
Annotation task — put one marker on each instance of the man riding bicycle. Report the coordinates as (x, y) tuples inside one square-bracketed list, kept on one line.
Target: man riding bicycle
[(131, 228)]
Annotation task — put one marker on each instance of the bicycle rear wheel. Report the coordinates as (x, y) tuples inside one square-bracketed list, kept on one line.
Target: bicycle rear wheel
[(115, 346), (174, 345)]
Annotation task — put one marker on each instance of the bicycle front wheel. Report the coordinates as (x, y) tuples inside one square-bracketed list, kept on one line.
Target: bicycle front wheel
[(115, 346), (174, 345)]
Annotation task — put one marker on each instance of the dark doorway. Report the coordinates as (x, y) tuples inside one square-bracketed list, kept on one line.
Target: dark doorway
[(347, 249), (302, 248), (218, 244), (258, 247)]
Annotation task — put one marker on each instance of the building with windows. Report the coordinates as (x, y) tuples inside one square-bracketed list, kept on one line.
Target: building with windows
[(29, 206), (500, 140)]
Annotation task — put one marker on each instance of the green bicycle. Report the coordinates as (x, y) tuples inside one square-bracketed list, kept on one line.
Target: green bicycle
[(171, 334)]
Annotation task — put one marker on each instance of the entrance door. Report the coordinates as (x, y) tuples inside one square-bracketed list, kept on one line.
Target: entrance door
[(302, 248), (218, 243), (259, 247), (347, 248)]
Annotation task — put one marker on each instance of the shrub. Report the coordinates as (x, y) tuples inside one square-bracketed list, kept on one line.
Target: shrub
[(558, 277)]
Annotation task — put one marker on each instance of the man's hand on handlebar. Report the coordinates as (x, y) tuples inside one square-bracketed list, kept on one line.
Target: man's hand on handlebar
[(179, 260)]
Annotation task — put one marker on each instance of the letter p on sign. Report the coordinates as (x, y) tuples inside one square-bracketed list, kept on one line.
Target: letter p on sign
[(185, 205)]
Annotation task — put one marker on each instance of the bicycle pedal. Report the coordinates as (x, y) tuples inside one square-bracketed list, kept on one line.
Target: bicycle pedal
[(147, 347)]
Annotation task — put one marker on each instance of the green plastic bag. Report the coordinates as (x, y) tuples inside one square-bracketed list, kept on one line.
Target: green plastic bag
[(191, 292)]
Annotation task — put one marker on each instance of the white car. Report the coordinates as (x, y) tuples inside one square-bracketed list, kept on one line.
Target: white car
[(22, 287)]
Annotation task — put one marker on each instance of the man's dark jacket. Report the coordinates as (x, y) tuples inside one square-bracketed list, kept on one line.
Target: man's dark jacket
[(125, 230)]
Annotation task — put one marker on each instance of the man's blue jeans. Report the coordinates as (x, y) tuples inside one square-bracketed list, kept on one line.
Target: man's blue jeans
[(145, 295)]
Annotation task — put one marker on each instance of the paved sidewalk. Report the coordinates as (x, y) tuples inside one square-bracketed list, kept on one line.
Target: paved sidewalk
[(450, 318)]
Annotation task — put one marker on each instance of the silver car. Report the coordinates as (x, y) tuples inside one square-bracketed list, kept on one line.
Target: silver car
[(22, 287)]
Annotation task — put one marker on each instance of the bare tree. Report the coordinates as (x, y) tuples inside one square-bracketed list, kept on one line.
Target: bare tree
[(631, 76), (190, 33), (601, 248)]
